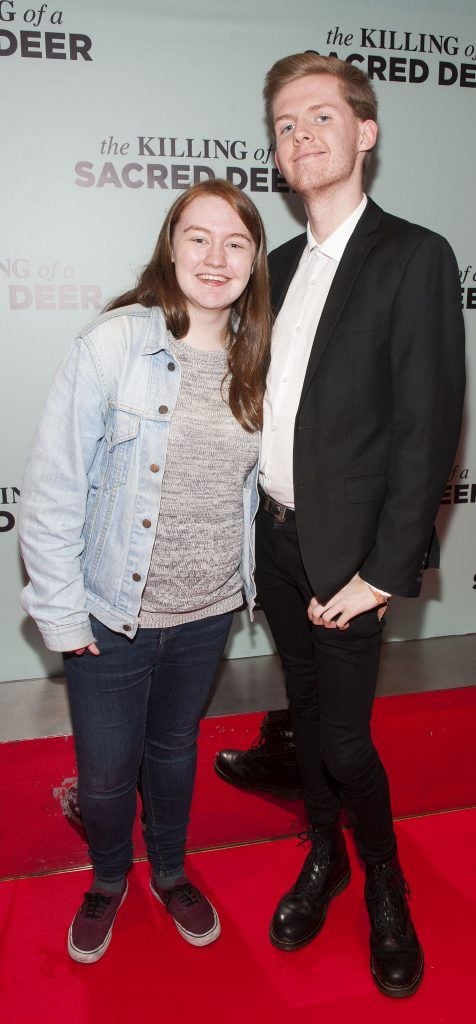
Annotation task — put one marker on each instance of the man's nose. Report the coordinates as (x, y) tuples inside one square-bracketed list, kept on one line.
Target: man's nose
[(302, 133)]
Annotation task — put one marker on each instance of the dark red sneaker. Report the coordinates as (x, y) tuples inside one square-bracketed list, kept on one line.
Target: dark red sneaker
[(91, 929), (193, 915)]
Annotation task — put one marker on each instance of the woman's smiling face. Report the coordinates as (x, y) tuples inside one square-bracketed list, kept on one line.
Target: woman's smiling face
[(213, 253)]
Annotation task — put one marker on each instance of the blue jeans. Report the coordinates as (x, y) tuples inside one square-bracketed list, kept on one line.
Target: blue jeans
[(137, 707)]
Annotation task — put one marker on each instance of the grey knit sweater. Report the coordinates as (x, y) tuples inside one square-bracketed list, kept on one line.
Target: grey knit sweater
[(194, 566)]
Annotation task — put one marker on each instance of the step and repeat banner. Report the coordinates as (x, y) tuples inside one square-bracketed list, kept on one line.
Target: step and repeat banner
[(110, 110)]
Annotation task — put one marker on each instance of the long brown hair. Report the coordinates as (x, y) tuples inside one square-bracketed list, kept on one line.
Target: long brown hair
[(250, 316)]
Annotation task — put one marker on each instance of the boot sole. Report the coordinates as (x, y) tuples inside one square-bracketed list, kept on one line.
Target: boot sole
[(286, 794), (401, 992), (289, 946)]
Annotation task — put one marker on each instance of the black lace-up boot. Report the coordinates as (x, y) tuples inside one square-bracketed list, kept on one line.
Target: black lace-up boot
[(269, 765), (301, 913), (396, 957)]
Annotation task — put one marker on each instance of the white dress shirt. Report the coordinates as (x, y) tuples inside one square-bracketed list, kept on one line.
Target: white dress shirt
[(291, 343)]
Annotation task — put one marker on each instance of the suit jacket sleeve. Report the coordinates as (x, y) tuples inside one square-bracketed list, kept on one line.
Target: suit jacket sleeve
[(427, 372)]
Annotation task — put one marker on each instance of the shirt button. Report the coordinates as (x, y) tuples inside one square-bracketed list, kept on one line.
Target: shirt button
[(298, 329), (163, 408), (127, 629), (313, 281), (154, 468), (284, 380), (146, 523), (273, 427), (171, 366), (136, 576)]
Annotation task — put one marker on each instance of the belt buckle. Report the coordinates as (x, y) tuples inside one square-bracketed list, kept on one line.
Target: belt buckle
[(280, 514)]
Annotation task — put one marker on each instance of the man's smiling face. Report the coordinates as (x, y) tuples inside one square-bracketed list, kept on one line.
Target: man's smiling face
[(320, 143)]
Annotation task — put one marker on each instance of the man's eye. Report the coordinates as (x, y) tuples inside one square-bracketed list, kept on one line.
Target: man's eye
[(322, 118), (286, 129)]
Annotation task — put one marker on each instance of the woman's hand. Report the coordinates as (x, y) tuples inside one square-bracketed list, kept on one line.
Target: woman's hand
[(92, 648)]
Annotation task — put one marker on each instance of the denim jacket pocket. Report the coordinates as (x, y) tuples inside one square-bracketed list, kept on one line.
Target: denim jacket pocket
[(121, 433)]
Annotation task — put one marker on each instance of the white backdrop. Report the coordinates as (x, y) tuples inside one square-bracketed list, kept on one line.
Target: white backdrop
[(108, 110)]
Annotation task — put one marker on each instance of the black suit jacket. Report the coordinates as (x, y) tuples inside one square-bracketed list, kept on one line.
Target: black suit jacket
[(379, 417)]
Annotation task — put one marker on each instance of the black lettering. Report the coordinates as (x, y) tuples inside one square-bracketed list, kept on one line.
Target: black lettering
[(447, 73), (11, 41), (201, 173), (467, 76), (29, 43), (461, 494), (376, 68), (398, 69), (54, 45), (9, 522), (259, 179), (419, 71), (237, 176), (79, 46)]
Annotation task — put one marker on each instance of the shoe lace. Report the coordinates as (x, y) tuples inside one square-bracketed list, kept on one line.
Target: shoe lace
[(388, 891), (185, 892), (316, 860), (95, 904)]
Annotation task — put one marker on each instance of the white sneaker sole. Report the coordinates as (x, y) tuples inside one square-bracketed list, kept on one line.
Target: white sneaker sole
[(194, 940), (83, 956)]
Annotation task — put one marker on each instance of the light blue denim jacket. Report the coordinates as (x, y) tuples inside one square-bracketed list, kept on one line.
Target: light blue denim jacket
[(90, 500)]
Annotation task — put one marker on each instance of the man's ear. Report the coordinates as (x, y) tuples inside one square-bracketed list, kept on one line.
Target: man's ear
[(368, 136)]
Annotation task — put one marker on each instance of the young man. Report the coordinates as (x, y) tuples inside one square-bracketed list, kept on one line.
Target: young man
[(362, 417)]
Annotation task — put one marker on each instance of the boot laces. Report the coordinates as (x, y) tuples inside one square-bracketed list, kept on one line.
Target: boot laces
[(388, 890), (316, 861), (95, 904)]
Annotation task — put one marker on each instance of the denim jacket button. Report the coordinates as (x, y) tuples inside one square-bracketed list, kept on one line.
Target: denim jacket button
[(171, 366), (127, 629), (146, 523), (136, 576), (163, 408), (154, 468)]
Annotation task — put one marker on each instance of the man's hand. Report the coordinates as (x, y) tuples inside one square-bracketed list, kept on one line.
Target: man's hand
[(91, 648), (353, 599)]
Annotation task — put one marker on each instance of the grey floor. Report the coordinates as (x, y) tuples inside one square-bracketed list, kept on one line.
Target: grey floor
[(31, 708)]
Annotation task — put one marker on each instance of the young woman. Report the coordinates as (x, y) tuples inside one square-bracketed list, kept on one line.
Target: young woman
[(137, 519)]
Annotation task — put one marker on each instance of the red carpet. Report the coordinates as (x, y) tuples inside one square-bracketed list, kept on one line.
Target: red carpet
[(150, 973), (426, 741)]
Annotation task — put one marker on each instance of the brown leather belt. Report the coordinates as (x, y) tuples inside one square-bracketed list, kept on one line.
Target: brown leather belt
[(282, 513)]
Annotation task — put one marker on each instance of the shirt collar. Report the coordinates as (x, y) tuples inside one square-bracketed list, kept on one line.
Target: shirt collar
[(334, 245)]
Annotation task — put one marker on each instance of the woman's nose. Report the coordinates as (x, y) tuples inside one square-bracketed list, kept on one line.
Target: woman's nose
[(216, 255)]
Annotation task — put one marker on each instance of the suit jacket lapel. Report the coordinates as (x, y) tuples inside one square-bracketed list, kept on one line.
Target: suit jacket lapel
[(359, 245)]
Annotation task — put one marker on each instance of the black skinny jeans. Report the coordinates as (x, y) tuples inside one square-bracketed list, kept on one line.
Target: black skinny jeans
[(331, 676)]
